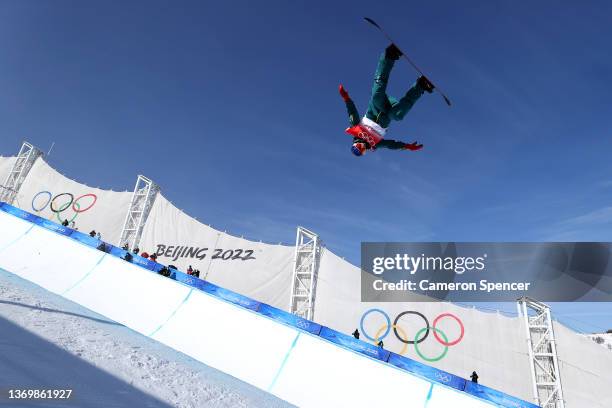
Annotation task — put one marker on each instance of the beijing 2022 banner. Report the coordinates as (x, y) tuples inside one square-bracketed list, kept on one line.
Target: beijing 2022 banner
[(482, 272)]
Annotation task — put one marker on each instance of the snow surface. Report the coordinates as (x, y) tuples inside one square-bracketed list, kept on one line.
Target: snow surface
[(47, 341)]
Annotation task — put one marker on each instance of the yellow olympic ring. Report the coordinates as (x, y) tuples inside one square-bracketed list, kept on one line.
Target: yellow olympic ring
[(399, 329)]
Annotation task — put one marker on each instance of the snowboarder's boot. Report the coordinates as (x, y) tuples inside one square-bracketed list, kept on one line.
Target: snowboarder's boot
[(392, 52), (425, 84)]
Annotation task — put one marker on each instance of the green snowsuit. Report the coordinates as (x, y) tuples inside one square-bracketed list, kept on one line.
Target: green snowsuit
[(383, 108)]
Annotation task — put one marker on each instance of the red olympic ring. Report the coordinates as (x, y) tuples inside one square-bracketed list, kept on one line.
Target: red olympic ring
[(445, 343), (95, 198)]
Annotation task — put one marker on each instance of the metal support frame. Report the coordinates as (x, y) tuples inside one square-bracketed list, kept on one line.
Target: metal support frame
[(305, 271), (143, 198), (544, 362), (23, 163)]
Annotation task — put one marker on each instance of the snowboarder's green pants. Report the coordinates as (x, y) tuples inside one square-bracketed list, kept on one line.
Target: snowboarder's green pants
[(383, 108)]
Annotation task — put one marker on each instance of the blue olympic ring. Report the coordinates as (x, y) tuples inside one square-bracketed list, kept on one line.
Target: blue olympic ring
[(47, 203), (387, 318)]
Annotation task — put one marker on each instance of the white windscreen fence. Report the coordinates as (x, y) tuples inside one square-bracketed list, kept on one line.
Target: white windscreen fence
[(586, 369), (89, 208), (255, 269)]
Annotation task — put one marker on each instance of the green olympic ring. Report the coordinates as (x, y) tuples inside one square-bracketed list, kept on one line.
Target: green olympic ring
[(63, 207), (416, 345)]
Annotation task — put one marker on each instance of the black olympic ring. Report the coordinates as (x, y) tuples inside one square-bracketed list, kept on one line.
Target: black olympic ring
[(410, 341), (67, 205)]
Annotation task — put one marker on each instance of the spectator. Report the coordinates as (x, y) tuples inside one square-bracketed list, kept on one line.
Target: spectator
[(190, 270), (92, 233), (356, 334), (172, 271), (65, 222), (136, 250), (125, 247), (144, 255), (196, 273), (128, 257), (380, 344), (153, 257), (99, 236), (474, 377), (73, 225)]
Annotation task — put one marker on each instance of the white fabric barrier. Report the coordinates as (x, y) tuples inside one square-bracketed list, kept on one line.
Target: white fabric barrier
[(6, 163), (100, 210), (302, 368), (254, 269), (586, 370)]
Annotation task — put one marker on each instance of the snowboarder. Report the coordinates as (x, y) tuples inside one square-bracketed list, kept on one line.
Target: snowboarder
[(368, 132)]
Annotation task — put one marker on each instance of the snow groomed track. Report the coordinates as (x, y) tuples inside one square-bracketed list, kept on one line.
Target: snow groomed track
[(297, 360)]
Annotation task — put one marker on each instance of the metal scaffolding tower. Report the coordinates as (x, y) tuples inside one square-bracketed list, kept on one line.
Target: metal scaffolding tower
[(143, 197), (544, 362), (306, 268), (23, 163)]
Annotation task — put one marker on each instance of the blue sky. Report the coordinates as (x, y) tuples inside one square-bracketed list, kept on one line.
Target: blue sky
[(232, 107)]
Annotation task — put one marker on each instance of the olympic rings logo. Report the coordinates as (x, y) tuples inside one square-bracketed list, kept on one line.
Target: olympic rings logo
[(420, 335), (303, 324), (367, 137), (69, 202), (443, 377)]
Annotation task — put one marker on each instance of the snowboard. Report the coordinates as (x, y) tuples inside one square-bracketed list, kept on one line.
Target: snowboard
[(437, 88)]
